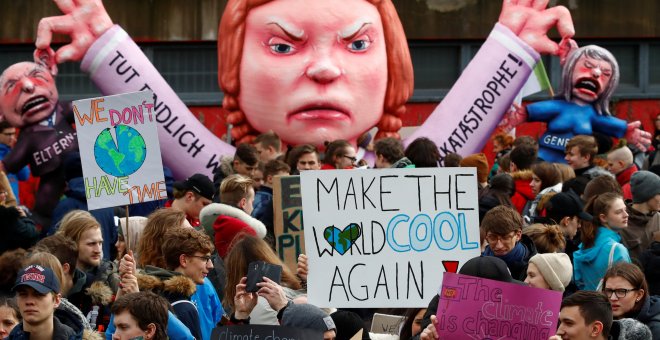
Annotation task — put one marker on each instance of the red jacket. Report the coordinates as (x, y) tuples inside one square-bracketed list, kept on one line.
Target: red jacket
[(523, 190)]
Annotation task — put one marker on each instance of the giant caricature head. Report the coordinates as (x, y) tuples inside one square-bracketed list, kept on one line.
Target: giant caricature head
[(28, 93), (590, 74), (313, 70)]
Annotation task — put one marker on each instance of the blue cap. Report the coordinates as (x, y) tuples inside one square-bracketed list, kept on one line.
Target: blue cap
[(42, 279)]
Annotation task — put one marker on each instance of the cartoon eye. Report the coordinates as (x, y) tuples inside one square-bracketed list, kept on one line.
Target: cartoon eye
[(279, 46), (359, 45)]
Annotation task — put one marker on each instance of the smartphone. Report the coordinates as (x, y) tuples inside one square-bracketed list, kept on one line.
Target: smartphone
[(257, 270)]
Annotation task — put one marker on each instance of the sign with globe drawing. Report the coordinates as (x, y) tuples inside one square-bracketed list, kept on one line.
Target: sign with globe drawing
[(119, 149)]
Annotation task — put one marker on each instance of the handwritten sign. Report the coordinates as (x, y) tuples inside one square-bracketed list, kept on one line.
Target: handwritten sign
[(377, 238), (387, 324), (264, 332), (488, 309), (119, 150), (288, 224)]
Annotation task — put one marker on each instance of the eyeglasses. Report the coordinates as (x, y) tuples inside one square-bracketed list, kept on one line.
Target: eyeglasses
[(353, 159), (205, 258), (620, 293), (492, 238)]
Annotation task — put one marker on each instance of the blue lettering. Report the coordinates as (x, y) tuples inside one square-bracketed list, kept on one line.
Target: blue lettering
[(424, 243), (446, 218), (422, 232), (390, 233)]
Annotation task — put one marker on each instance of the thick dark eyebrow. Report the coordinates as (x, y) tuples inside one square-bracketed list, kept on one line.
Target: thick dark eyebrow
[(347, 35), (291, 35)]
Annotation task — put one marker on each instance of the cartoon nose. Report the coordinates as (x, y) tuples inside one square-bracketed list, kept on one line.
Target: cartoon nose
[(27, 86), (597, 72), (323, 71)]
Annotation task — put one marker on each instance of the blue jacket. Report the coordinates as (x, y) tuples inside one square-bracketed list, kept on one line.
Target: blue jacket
[(591, 264), (263, 206), (21, 175), (75, 199), (208, 306), (566, 120), (176, 330)]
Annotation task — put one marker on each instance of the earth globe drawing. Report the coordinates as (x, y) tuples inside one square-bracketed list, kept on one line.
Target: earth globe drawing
[(123, 157)]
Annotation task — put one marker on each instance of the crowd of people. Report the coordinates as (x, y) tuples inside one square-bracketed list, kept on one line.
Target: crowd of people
[(177, 269)]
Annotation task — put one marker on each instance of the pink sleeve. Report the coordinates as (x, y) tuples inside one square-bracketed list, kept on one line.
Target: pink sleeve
[(117, 65), (464, 120)]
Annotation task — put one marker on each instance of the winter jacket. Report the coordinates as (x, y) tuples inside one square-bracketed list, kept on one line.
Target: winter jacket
[(523, 190), (590, 264), (176, 330), (639, 234), (76, 200), (592, 172), (177, 289), (534, 208), (403, 163), (650, 260), (263, 209), (65, 327), (93, 291), (209, 307), (21, 175), (650, 315), (17, 231)]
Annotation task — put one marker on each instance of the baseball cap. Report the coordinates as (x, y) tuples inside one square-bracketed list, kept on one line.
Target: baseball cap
[(42, 279), (488, 267), (567, 204), (197, 183)]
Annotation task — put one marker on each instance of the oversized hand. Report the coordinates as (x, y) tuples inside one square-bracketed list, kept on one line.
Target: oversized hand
[(83, 20), (514, 117), (640, 138), (531, 21)]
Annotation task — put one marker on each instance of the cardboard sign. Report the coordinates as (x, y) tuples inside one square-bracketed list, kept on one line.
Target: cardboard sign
[(119, 150), (383, 238), (287, 212), (264, 332), (387, 324), (488, 309)]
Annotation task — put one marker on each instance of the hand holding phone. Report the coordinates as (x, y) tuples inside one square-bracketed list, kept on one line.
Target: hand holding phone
[(257, 270)]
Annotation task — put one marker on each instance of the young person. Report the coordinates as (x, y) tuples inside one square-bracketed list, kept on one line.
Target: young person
[(142, 314), (549, 271)]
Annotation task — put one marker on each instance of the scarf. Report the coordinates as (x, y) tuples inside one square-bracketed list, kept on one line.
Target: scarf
[(517, 254)]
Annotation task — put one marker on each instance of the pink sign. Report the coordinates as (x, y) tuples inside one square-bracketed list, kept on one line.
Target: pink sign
[(476, 308)]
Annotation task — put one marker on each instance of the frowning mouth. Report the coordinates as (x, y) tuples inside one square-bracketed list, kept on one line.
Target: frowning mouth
[(588, 84), (320, 111), (34, 104)]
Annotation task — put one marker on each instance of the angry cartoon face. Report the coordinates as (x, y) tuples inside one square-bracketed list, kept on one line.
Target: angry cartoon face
[(28, 94)]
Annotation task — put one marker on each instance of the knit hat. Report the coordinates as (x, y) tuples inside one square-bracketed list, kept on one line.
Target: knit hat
[(488, 267), (644, 185), (307, 316), (479, 161), (227, 230), (556, 269), (348, 324), (630, 329)]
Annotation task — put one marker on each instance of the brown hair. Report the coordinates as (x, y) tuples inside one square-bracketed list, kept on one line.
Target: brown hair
[(546, 237), (10, 265), (10, 303), (183, 241), (234, 188), (146, 308), (390, 148), (400, 83), (269, 139), (75, 223), (245, 250), (334, 149), (505, 140), (600, 185), (501, 220), (158, 223), (586, 145), (50, 261), (565, 171), (634, 275), (294, 155), (548, 173), (274, 166), (62, 247), (597, 205)]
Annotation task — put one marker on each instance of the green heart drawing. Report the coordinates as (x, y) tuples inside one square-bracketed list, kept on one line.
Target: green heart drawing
[(342, 240)]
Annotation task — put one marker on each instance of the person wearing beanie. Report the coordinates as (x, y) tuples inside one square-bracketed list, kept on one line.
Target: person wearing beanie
[(479, 161), (643, 219), (549, 271), (309, 317)]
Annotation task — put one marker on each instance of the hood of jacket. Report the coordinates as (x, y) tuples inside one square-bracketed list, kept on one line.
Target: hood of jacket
[(71, 316), (166, 282), (629, 329), (210, 213), (100, 293), (637, 218), (589, 255), (76, 189), (522, 179), (650, 310)]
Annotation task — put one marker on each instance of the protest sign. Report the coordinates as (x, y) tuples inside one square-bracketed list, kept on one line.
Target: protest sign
[(288, 221), (119, 150), (380, 238), (387, 324), (264, 332), (488, 309)]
